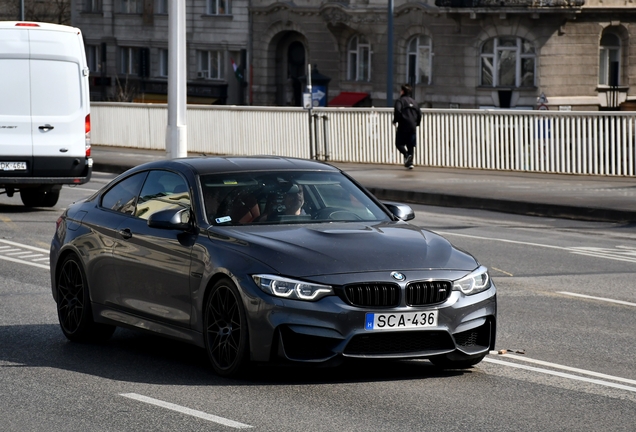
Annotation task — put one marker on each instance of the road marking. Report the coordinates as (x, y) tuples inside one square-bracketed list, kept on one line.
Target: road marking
[(82, 189), (23, 254), (571, 369), (188, 411), (565, 375), (9, 222), (620, 253), (596, 298)]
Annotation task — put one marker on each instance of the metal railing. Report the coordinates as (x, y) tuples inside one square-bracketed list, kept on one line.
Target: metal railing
[(601, 143)]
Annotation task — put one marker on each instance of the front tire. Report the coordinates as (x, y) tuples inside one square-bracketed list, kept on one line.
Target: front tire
[(225, 329), (74, 306)]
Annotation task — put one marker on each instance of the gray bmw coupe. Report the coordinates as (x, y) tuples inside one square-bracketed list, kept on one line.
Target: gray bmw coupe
[(260, 259)]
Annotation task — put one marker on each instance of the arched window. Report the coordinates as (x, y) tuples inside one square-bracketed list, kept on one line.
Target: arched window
[(609, 60), (359, 59), (507, 61), (418, 60)]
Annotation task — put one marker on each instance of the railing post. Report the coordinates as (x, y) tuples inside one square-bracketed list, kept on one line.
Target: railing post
[(325, 135)]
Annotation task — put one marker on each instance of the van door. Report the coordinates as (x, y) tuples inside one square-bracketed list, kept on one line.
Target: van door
[(15, 104), (58, 103)]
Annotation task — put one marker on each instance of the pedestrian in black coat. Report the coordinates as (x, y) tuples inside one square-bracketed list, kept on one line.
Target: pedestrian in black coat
[(407, 115)]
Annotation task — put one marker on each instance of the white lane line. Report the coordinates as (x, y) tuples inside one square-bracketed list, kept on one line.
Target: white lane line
[(188, 411), (571, 369), (31, 256), (82, 189), (587, 251), (40, 259), (10, 250), (596, 298), (21, 261), (562, 374), (37, 249), (18, 253)]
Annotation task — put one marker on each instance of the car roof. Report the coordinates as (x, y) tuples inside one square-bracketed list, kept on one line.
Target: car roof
[(223, 164)]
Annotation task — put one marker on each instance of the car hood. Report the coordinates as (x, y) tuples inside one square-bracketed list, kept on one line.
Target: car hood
[(322, 249)]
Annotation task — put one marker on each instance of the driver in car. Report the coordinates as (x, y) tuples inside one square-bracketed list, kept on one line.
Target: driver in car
[(292, 204)]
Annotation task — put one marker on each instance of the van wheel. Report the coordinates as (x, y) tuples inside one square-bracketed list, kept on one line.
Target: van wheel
[(42, 196)]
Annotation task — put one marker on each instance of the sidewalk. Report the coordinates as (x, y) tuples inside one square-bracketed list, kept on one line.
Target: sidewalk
[(595, 198)]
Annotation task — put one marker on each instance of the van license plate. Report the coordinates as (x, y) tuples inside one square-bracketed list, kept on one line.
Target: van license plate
[(397, 321), (13, 166)]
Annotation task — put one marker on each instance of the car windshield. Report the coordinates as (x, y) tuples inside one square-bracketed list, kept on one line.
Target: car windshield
[(286, 197)]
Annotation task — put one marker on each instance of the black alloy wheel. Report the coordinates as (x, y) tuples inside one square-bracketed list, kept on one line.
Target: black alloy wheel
[(225, 329), (73, 305)]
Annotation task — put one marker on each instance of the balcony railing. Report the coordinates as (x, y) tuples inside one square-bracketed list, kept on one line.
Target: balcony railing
[(510, 3)]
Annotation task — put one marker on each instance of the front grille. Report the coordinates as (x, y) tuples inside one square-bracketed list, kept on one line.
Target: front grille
[(373, 294), (427, 293), (409, 342)]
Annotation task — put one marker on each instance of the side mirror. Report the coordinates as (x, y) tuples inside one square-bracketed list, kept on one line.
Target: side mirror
[(401, 211), (174, 218)]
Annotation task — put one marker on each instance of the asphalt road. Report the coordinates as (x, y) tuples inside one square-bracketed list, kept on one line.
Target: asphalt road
[(575, 369)]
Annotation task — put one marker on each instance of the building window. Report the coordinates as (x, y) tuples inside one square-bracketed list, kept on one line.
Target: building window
[(418, 60), (359, 59), (219, 7), (508, 62), (92, 5), (210, 65), (163, 62), (161, 7), (131, 6), (129, 61), (609, 60), (93, 57)]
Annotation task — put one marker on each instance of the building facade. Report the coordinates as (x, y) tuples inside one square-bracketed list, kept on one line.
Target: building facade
[(127, 49), (456, 53)]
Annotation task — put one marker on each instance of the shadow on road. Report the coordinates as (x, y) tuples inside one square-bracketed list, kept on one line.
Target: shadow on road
[(135, 357)]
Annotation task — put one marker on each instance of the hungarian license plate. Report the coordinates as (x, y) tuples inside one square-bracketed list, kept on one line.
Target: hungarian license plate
[(397, 321), (13, 166)]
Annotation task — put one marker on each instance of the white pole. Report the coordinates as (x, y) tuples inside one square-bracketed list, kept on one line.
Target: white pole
[(176, 134)]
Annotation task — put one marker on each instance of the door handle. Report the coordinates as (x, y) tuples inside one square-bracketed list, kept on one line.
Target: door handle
[(47, 127), (126, 233)]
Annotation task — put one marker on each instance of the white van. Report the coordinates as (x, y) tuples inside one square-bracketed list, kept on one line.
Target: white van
[(44, 111)]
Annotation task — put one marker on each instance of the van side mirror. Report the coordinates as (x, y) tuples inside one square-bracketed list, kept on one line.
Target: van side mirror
[(175, 219), (401, 211)]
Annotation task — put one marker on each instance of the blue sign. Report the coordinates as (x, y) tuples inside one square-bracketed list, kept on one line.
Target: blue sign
[(319, 95)]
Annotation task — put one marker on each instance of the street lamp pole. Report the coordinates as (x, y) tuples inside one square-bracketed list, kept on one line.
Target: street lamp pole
[(176, 133), (21, 10), (389, 55)]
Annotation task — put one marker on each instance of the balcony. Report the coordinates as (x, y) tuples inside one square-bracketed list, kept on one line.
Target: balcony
[(527, 4)]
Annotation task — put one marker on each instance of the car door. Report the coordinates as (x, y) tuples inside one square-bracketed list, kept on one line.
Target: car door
[(115, 205), (59, 103), (153, 264)]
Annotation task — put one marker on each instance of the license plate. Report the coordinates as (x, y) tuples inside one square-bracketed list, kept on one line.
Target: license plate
[(397, 321), (13, 166)]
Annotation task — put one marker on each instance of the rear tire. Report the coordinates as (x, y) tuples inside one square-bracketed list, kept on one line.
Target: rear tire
[(225, 329), (74, 306), (444, 362), (42, 196)]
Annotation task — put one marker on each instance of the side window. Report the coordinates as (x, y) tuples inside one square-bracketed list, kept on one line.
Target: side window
[(123, 196), (162, 190)]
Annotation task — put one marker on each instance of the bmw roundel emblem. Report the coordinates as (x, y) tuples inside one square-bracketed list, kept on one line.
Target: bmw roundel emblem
[(398, 276)]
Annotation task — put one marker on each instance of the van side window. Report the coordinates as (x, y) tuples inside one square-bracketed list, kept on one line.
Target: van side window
[(162, 190), (123, 196)]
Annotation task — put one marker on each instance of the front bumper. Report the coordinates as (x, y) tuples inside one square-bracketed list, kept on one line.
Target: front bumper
[(319, 331)]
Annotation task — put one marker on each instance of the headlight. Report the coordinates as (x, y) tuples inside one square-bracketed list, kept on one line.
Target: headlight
[(476, 282), (293, 289)]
